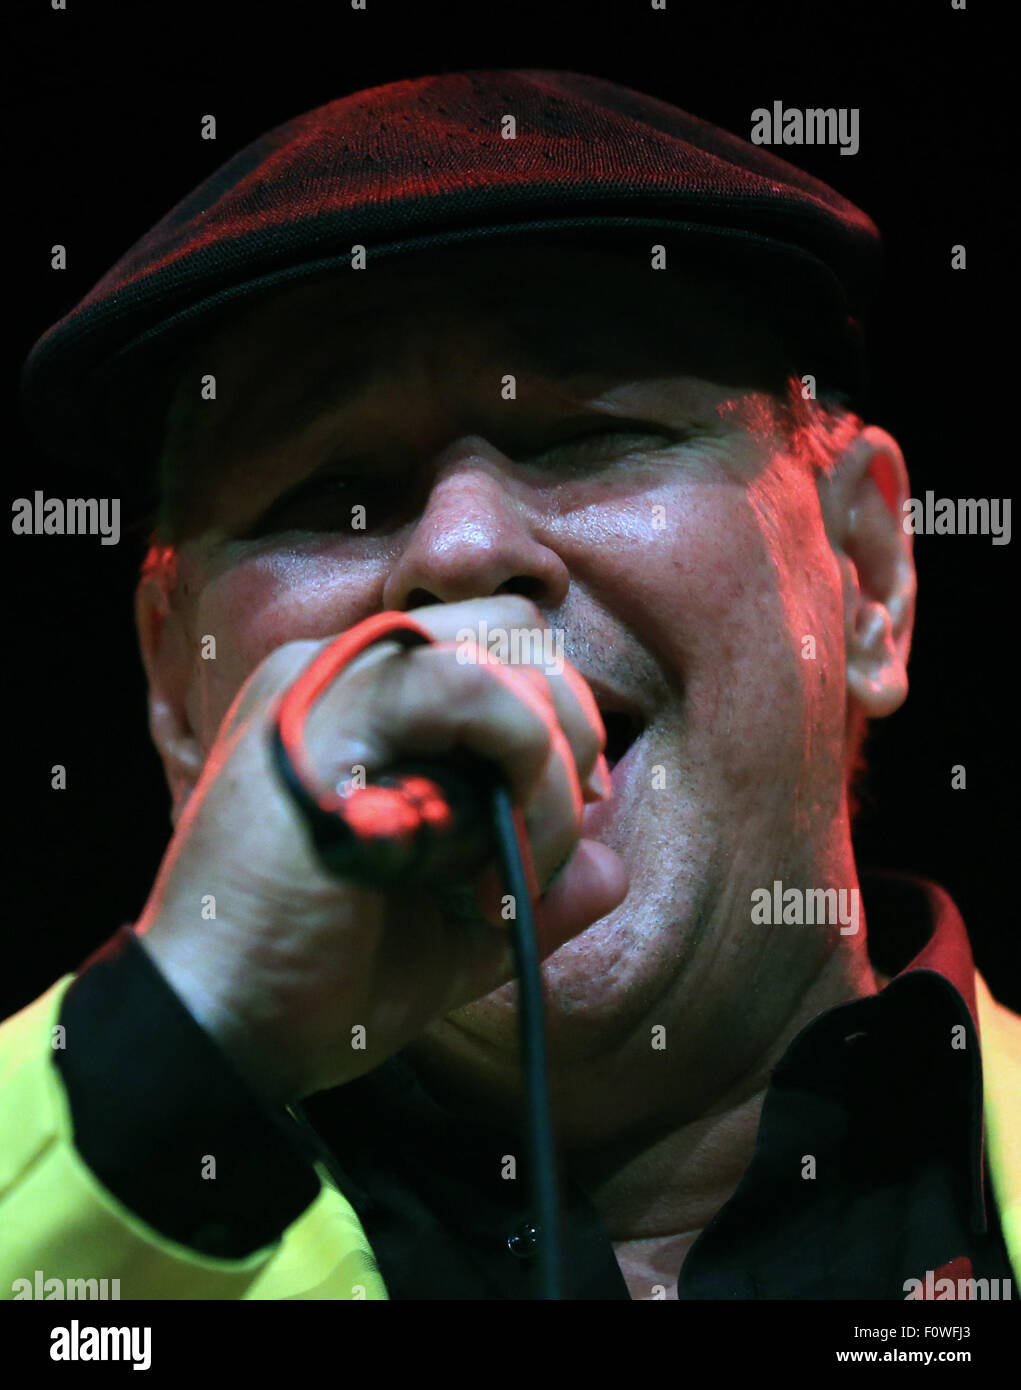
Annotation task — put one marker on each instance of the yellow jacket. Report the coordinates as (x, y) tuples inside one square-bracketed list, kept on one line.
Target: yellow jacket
[(55, 1215)]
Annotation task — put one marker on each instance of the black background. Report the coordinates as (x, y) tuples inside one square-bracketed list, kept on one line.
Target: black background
[(104, 138)]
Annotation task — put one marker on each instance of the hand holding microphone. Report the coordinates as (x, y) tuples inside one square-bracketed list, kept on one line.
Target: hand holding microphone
[(297, 957), (418, 820)]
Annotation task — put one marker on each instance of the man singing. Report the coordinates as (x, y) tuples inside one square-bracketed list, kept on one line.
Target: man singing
[(533, 353)]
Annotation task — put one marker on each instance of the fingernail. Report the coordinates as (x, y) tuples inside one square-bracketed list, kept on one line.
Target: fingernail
[(599, 781)]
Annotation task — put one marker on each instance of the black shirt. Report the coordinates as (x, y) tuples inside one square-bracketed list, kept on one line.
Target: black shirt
[(880, 1093)]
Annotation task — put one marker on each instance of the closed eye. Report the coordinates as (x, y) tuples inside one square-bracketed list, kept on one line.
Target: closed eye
[(318, 501)]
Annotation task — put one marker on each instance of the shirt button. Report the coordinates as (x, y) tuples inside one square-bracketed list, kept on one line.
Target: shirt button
[(524, 1241)]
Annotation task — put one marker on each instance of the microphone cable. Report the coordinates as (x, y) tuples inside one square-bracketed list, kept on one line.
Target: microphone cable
[(382, 832)]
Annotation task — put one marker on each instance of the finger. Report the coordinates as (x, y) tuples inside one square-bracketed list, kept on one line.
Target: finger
[(431, 704), (425, 703), (574, 705), (593, 883), (270, 679), (477, 621), (579, 717)]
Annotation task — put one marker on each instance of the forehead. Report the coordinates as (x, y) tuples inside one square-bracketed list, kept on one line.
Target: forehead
[(559, 310)]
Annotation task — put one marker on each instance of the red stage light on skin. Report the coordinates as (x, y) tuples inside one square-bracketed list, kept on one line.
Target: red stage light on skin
[(883, 476), (428, 800)]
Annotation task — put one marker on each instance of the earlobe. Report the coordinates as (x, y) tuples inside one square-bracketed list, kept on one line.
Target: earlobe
[(870, 486), (876, 673), (167, 658)]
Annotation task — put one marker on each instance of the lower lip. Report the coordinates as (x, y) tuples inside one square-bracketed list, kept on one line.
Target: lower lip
[(599, 815)]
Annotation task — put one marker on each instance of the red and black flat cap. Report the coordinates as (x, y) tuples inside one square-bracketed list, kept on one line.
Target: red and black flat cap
[(427, 163)]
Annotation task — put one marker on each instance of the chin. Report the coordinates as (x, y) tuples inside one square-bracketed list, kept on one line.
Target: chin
[(601, 989)]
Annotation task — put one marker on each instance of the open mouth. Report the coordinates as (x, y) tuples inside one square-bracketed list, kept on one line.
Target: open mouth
[(622, 730)]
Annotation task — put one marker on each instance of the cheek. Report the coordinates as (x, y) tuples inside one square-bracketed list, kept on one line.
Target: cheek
[(256, 606), (757, 603), (789, 682)]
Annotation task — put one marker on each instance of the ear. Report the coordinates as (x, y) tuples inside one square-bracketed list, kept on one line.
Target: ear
[(168, 657), (862, 506)]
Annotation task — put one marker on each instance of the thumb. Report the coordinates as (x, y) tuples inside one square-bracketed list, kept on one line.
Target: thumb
[(591, 884), (594, 882)]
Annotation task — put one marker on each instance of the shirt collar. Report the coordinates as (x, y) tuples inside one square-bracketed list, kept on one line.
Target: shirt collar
[(914, 924), (914, 928)]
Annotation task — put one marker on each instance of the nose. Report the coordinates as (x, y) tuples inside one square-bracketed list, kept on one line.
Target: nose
[(476, 537)]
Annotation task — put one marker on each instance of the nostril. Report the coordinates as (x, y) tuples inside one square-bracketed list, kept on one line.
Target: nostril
[(523, 585), (419, 598)]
